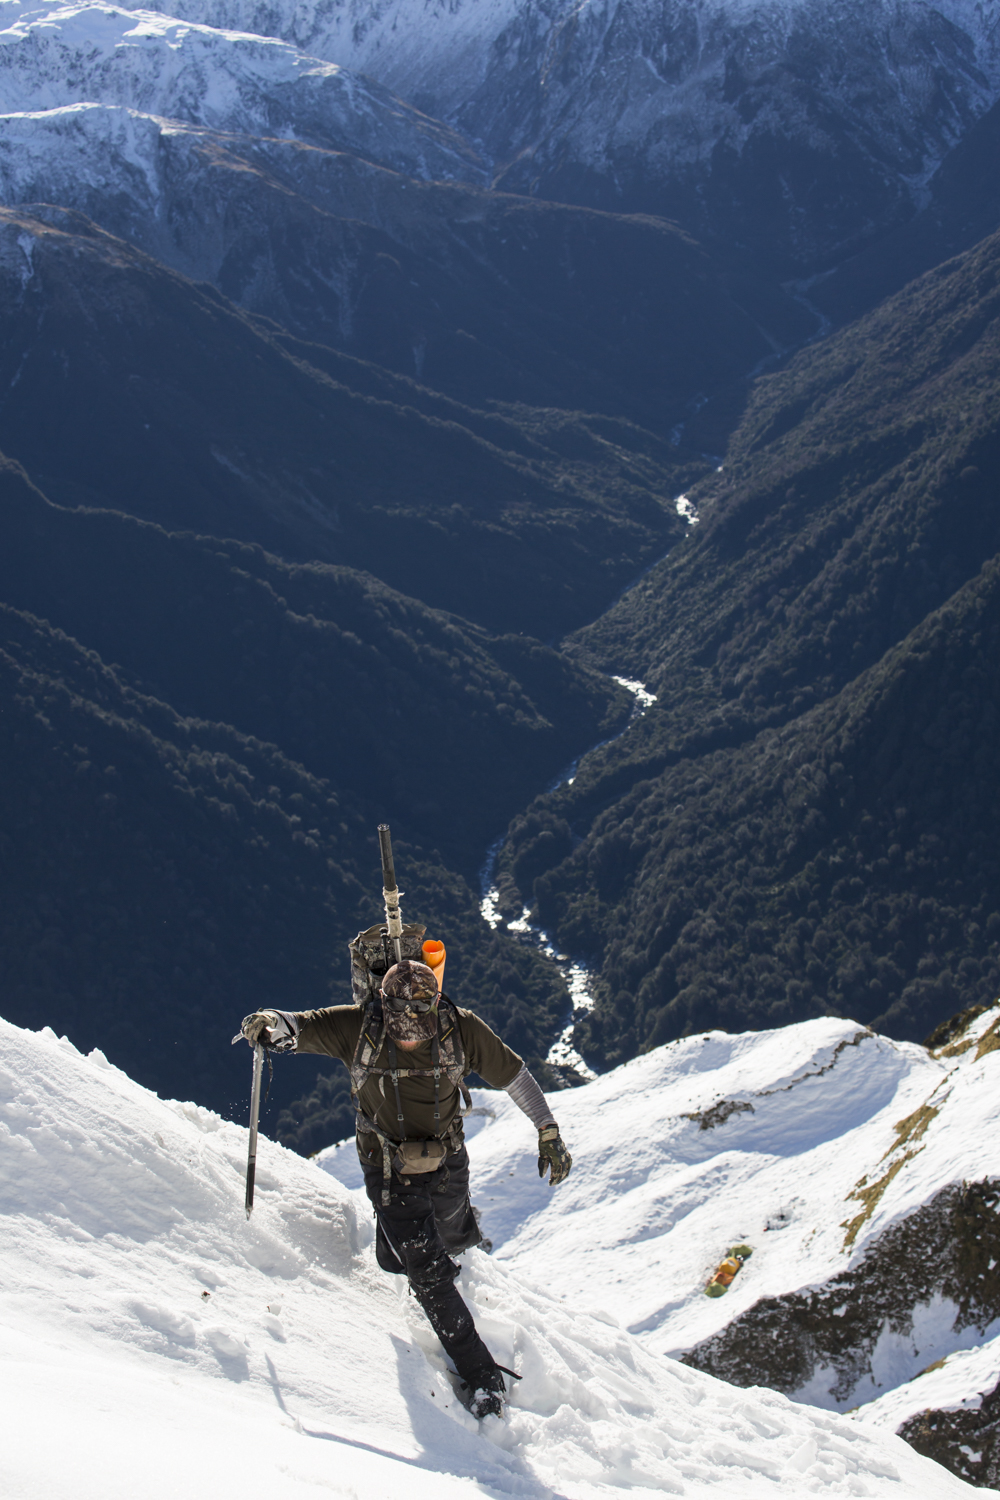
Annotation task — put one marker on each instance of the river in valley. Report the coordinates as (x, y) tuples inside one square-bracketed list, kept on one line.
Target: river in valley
[(576, 974)]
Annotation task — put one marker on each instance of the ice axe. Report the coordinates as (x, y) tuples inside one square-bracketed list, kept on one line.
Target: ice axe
[(258, 1068)]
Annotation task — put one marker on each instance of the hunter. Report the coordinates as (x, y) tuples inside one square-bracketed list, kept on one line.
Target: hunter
[(410, 1137)]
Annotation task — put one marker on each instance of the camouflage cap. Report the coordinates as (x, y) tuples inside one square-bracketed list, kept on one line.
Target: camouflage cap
[(410, 991)]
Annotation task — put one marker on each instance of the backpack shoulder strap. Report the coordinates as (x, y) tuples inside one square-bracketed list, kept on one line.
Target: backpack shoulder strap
[(369, 1043), (453, 1048)]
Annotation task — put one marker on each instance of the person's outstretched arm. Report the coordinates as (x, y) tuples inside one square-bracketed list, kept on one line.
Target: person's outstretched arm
[(552, 1152)]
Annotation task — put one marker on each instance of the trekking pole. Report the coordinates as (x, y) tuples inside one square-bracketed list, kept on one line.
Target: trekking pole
[(258, 1068), (390, 893)]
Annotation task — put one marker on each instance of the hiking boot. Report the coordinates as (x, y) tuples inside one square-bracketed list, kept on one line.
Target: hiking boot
[(486, 1404), (487, 1390)]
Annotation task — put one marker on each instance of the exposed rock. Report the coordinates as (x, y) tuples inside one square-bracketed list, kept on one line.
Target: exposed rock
[(825, 1337), (707, 1119), (966, 1442)]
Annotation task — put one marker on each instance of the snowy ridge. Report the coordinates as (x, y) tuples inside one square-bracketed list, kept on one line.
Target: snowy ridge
[(163, 68), (450, 44), (611, 72), (607, 103), (808, 1143), (809, 124), (176, 1348)]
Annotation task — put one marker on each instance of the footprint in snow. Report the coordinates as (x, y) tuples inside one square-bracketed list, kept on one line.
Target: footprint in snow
[(172, 1325), (231, 1354)]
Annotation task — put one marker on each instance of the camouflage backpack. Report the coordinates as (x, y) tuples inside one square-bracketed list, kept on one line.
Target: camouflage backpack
[(368, 958)]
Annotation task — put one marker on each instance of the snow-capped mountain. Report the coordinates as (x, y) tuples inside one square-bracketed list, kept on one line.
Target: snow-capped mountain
[(796, 126), (863, 1173), (68, 58), (316, 198), (156, 1343)]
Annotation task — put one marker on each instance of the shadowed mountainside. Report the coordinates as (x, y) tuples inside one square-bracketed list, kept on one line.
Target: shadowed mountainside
[(129, 387), (859, 492), (485, 296), (781, 836), (963, 207), (433, 720)]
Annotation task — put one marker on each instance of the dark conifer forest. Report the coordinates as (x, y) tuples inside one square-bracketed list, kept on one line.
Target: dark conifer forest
[(804, 822)]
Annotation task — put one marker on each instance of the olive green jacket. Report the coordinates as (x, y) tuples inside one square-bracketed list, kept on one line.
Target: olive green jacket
[(335, 1030)]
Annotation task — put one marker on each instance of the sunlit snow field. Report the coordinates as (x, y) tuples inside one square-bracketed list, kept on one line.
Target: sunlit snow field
[(156, 1344), (666, 1179)]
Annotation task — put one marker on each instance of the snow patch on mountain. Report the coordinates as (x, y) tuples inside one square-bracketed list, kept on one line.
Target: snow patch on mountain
[(160, 67), (176, 1348), (805, 124), (794, 124), (450, 46), (652, 61)]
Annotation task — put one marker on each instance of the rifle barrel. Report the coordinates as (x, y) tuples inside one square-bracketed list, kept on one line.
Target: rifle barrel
[(388, 868)]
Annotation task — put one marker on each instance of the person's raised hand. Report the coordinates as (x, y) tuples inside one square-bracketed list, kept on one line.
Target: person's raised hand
[(268, 1028), (552, 1154)]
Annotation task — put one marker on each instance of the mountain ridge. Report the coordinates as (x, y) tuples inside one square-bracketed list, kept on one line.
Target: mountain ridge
[(177, 407), (685, 114)]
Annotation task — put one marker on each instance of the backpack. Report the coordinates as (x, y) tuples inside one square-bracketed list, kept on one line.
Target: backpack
[(369, 964)]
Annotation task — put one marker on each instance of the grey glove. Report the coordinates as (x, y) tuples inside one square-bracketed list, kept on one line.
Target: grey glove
[(270, 1028), (552, 1153)]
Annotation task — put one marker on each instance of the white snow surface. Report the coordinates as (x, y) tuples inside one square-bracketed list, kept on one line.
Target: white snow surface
[(452, 45), (614, 84), (158, 1344), (654, 1200)]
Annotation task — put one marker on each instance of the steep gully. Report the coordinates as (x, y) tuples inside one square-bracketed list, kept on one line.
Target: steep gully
[(562, 1053), (575, 972)]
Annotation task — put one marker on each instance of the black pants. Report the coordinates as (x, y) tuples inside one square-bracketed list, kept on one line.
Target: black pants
[(429, 1214)]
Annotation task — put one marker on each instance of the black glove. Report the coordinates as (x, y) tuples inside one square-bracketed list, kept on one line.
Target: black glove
[(268, 1028), (552, 1153)]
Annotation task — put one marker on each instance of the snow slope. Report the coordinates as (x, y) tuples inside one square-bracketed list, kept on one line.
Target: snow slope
[(807, 1143), (156, 1343), (451, 47), (803, 123)]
